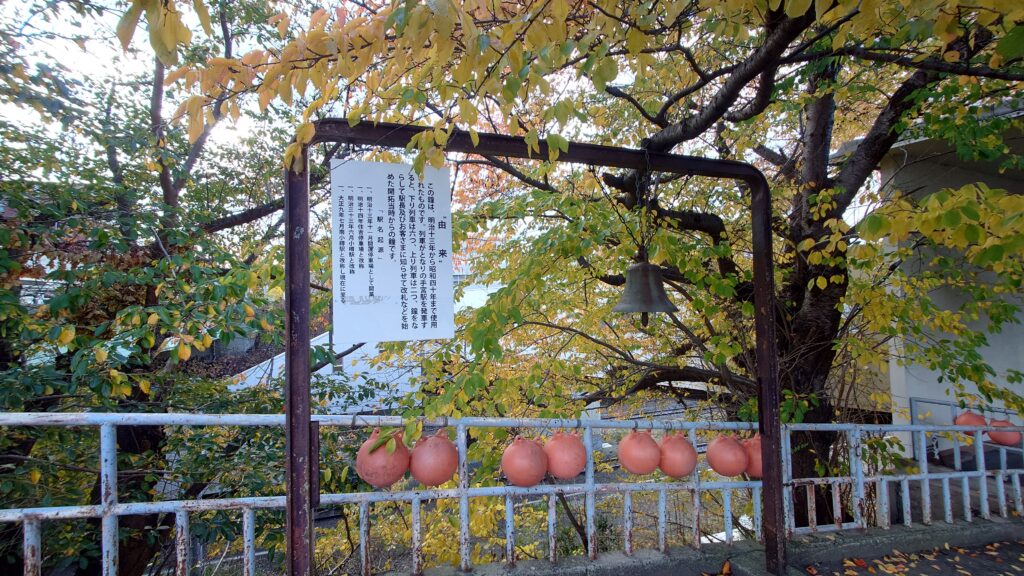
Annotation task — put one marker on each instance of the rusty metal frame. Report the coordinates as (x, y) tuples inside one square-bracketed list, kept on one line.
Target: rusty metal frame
[(302, 463)]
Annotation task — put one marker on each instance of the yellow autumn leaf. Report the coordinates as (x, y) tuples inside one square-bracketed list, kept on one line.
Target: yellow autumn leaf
[(305, 132), (797, 8), (184, 352), (67, 334), (249, 312), (821, 282), (128, 23), (34, 475), (145, 386), (101, 355), (204, 16), (153, 319)]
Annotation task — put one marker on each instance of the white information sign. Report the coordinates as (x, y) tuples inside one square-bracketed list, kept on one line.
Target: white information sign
[(392, 253)]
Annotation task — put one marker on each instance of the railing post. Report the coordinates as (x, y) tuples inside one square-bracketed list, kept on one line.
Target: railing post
[(32, 547), (460, 443), (248, 542), (417, 539), (182, 544), (627, 522), (590, 504), (1000, 479), (926, 487), (696, 508), (857, 467), (552, 541), (787, 480), (982, 470), (364, 538), (510, 530), (108, 498), (662, 544)]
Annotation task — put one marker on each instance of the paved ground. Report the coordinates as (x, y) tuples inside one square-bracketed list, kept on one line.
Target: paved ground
[(997, 559)]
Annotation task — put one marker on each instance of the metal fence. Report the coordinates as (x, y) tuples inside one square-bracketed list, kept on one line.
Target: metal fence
[(848, 491)]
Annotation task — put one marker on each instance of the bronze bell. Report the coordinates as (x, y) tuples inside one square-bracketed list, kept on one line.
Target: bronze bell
[(645, 291)]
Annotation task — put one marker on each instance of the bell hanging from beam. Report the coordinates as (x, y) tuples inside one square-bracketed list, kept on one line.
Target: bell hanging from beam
[(645, 291)]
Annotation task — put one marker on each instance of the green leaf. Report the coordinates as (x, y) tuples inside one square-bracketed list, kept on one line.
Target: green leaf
[(1012, 45), (990, 255), (951, 219), (873, 226)]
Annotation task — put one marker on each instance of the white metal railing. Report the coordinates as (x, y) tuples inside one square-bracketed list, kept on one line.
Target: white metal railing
[(849, 508), (857, 481)]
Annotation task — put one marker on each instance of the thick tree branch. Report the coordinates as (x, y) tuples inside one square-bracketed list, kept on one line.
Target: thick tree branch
[(710, 224), (654, 377), (817, 137), (785, 164), (245, 216), (762, 98), (765, 57), (156, 127), (882, 135), (268, 208), (964, 67)]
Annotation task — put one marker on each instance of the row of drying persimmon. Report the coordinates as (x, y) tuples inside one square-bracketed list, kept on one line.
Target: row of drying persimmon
[(526, 461)]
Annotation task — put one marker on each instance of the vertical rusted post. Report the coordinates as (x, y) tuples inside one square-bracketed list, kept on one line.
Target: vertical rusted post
[(417, 539), (298, 511), (364, 538), (812, 510), (182, 544), (857, 467), (769, 397), (461, 442), (32, 547), (248, 542)]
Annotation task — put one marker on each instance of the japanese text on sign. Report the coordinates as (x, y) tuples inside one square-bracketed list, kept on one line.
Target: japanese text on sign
[(391, 246)]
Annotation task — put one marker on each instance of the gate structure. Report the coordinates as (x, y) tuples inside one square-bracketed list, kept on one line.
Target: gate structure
[(301, 430)]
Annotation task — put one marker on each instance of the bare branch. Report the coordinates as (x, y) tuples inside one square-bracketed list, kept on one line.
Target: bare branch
[(619, 93)]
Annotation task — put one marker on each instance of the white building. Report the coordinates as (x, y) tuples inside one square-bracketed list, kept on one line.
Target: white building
[(920, 167)]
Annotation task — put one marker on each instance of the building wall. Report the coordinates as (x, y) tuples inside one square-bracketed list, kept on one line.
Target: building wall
[(919, 169)]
